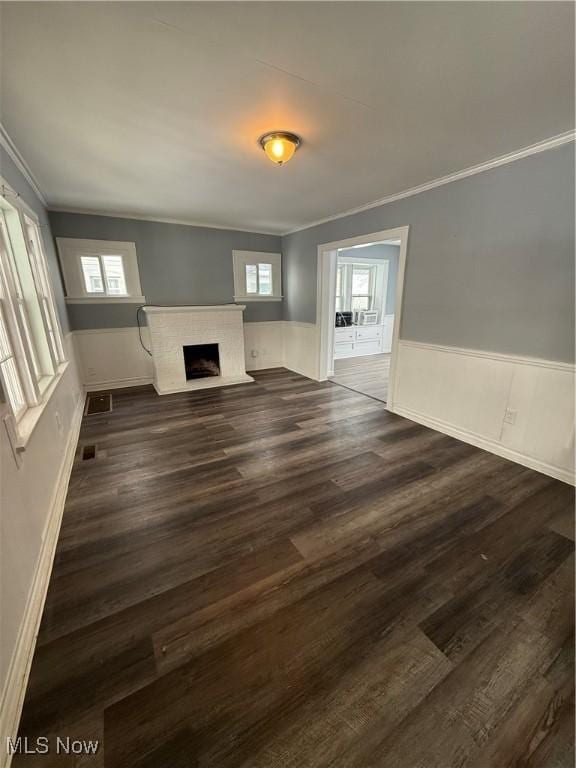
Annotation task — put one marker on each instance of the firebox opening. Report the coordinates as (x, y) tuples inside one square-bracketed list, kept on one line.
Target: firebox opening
[(201, 360)]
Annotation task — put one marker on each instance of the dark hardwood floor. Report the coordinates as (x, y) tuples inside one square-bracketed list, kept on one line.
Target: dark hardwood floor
[(368, 374), (285, 575)]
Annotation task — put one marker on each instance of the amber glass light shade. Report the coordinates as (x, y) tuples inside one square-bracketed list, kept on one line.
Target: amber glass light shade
[(280, 146)]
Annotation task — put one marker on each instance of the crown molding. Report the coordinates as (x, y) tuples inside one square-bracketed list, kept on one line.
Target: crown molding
[(158, 219), (533, 149), (21, 164)]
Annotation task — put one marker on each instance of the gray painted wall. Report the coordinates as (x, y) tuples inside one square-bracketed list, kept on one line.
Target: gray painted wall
[(381, 252), (19, 184), (490, 262), (178, 264)]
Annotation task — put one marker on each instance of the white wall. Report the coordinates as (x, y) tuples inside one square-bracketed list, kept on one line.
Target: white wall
[(520, 408), (31, 504), (114, 357)]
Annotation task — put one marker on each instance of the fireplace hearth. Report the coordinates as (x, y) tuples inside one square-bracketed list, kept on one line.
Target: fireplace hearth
[(201, 360)]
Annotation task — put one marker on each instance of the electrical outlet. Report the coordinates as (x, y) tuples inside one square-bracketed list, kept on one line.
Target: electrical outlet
[(510, 416), (254, 353)]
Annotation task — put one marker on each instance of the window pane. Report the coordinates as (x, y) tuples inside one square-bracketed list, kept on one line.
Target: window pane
[(26, 300), (5, 346), (114, 274), (265, 279), (361, 280), (14, 392), (33, 358), (10, 375), (339, 281), (46, 299), (251, 278), (360, 302), (92, 275), (338, 304)]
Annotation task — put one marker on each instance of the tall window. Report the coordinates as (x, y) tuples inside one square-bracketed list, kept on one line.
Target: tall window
[(362, 287), (31, 347), (355, 287), (257, 276), (44, 291), (11, 380), (259, 279)]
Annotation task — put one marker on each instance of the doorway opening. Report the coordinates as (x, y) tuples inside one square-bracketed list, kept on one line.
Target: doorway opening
[(360, 297)]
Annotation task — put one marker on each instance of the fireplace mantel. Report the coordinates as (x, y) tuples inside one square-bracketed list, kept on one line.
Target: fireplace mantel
[(152, 309), (172, 328)]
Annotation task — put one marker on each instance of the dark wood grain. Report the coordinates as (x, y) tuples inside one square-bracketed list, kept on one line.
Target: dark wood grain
[(285, 575)]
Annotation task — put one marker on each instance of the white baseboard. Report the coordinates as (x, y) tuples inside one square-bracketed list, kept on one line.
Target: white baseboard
[(112, 358), (488, 445), (516, 407), (97, 386), (469, 394), (19, 670)]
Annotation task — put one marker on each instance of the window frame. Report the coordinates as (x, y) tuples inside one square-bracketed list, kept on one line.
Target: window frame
[(372, 269), (23, 332), (44, 291), (347, 294), (242, 259), (71, 250)]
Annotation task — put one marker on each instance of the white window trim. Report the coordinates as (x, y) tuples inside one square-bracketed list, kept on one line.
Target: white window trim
[(37, 393), (106, 300), (71, 249), (348, 264), (240, 259)]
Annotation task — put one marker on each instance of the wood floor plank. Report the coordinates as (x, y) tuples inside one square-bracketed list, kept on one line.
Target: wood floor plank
[(286, 574)]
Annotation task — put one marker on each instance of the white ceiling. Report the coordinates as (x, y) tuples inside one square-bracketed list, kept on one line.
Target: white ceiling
[(154, 109)]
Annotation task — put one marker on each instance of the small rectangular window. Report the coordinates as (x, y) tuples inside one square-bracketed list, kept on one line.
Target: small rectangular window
[(100, 271), (257, 276), (92, 274)]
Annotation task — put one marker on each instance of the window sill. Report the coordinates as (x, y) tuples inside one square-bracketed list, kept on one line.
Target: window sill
[(106, 300), (25, 427), (258, 298)]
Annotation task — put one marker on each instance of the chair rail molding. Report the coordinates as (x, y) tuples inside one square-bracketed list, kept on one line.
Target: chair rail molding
[(517, 407)]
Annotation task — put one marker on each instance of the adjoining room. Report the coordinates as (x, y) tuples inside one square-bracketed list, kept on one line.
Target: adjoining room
[(366, 278)]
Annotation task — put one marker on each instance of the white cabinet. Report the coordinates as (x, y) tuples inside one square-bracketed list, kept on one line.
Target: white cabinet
[(354, 341)]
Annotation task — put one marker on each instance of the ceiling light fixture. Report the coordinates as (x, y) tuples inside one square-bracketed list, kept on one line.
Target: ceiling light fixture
[(279, 145)]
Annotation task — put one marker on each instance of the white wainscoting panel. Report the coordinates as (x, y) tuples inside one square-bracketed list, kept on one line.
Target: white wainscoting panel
[(264, 345), (113, 357), (519, 408), (301, 348)]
